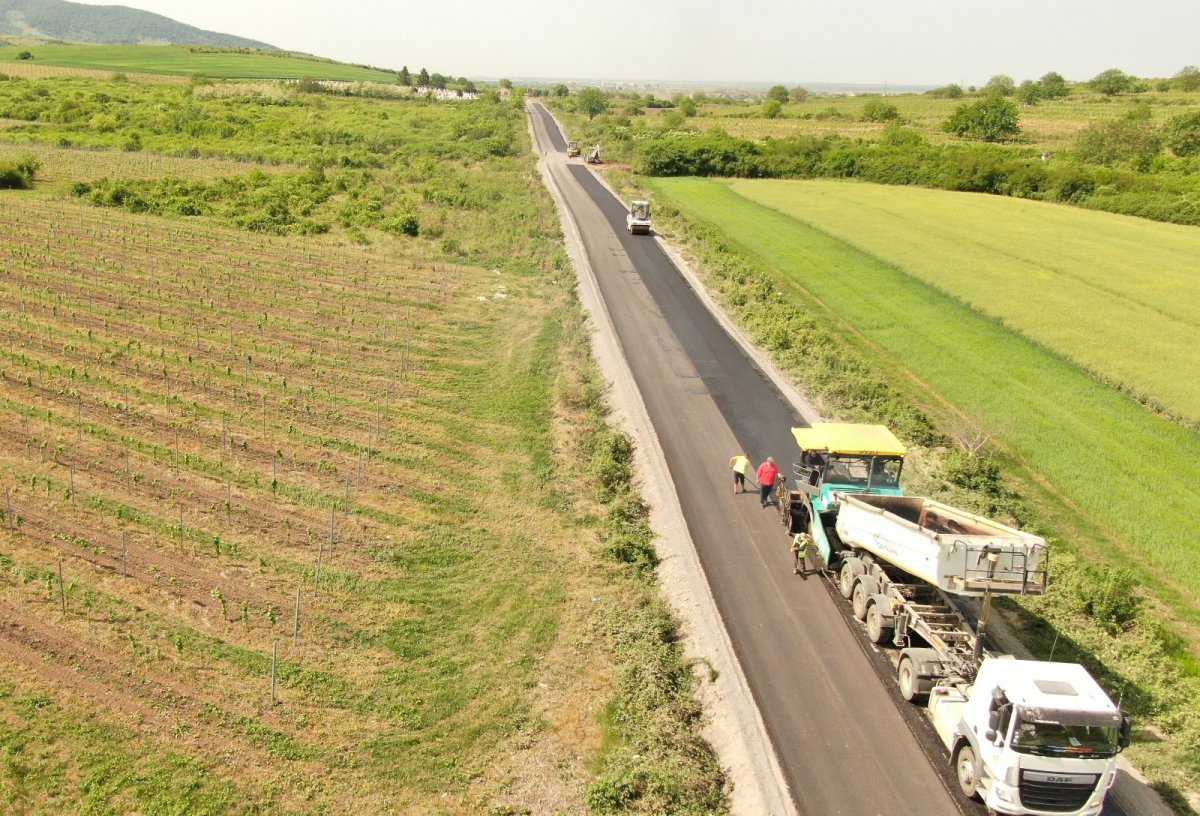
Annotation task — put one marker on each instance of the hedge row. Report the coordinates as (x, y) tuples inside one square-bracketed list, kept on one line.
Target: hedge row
[(903, 158)]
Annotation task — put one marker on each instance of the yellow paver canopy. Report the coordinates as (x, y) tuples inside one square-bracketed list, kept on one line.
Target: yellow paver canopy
[(841, 437)]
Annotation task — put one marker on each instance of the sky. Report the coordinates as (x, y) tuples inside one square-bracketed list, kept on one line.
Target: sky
[(919, 42)]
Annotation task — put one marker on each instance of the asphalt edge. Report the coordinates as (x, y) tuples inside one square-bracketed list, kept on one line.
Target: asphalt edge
[(745, 752)]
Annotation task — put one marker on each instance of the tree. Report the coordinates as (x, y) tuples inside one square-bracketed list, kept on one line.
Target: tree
[(1188, 78), (991, 119), (1111, 82), (1028, 92), (772, 108), (423, 79), (469, 87), (1182, 134), (561, 90), (405, 77), (798, 94), (505, 83), (1118, 141), (438, 81), (591, 101), (25, 55), (1053, 86), (687, 106), (1000, 84), (778, 92)]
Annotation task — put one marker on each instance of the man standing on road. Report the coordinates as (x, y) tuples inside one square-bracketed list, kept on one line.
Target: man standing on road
[(740, 464), (799, 551), (768, 472)]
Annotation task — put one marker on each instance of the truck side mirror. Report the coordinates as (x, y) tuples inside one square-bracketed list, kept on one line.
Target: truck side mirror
[(1125, 737), (998, 720)]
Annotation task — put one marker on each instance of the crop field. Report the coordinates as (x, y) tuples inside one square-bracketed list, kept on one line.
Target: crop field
[(62, 167), (31, 69), (1126, 469), (184, 60), (1050, 125), (1117, 296)]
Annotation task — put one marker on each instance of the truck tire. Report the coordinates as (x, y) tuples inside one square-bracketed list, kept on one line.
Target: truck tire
[(877, 630), (910, 684), (859, 599), (865, 588), (966, 770), (851, 568)]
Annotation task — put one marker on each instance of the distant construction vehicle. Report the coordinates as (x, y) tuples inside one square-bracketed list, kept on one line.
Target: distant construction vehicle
[(638, 219), (572, 149), (1025, 736), (593, 156)]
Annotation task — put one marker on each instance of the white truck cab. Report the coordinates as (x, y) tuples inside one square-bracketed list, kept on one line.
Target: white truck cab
[(1029, 737)]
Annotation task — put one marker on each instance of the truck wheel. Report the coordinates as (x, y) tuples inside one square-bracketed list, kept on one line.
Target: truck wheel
[(876, 630), (966, 769), (851, 568), (859, 601), (910, 684)]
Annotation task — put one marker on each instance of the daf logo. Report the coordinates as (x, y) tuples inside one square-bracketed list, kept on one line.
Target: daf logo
[(1050, 778)]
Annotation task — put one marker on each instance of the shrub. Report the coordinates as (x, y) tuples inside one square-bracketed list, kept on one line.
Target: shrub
[(19, 174), (992, 119), (1182, 134), (951, 91), (1111, 82), (1118, 141), (876, 110)]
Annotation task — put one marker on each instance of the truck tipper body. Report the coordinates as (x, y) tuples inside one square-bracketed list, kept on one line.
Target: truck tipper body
[(1025, 736)]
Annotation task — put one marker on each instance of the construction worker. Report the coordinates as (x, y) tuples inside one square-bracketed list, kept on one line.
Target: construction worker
[(740, 464), (799, 551), (768, 472)]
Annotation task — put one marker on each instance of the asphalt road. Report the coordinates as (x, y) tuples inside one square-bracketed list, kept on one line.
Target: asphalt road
[(844, 744)]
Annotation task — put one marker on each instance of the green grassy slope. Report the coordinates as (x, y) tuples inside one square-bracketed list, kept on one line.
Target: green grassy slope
[(1119, 296), (1110, 458), (179, 59)]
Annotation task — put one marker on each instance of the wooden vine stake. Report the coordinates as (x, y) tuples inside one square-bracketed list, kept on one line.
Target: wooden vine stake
[(274, 662), (296, 622)]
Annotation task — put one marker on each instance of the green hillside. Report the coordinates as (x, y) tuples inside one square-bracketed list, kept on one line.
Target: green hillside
[(78, 22), (187, 60)]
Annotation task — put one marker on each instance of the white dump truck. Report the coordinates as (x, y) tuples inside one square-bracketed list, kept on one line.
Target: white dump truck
[(1025, 736)]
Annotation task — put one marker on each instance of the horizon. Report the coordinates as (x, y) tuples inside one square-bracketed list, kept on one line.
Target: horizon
[(874, 44)]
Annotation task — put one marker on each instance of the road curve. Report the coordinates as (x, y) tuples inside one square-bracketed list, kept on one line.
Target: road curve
[(844, 745)]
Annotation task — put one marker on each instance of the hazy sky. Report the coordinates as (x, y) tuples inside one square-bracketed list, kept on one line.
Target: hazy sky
[(925, 42)]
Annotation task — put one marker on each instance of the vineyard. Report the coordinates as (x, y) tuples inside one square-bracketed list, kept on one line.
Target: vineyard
[(218, 448)]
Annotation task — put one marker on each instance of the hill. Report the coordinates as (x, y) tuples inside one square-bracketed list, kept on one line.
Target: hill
[(75, 22)]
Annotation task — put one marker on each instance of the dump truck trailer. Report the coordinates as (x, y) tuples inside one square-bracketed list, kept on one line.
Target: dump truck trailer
[(1024, 736)]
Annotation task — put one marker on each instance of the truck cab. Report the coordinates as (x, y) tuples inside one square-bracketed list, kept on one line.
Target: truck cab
[(839, 458), (1031, 737)]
